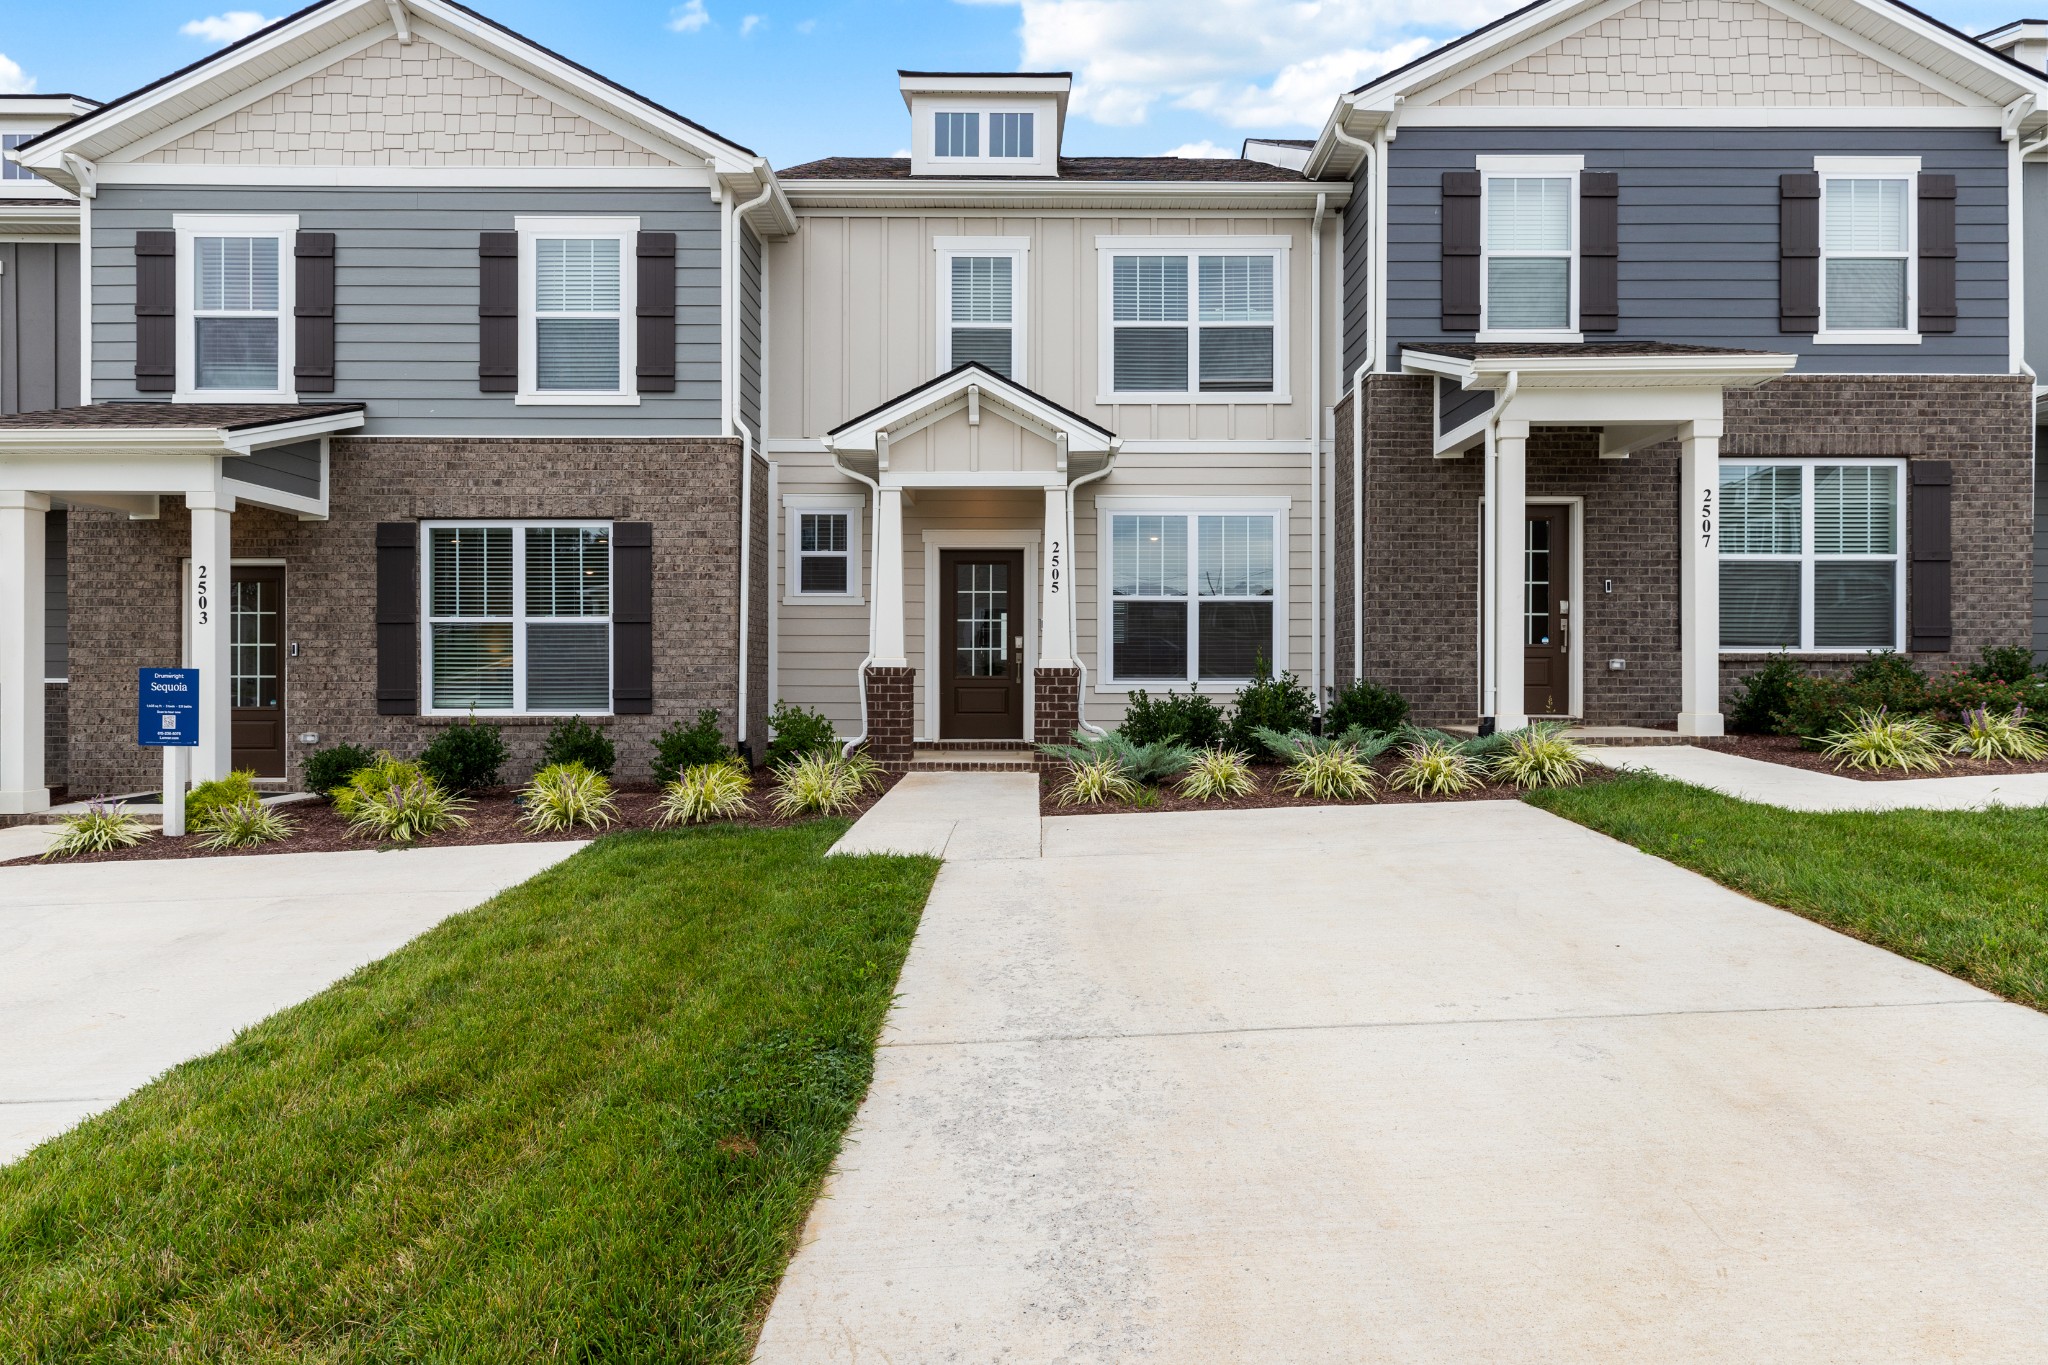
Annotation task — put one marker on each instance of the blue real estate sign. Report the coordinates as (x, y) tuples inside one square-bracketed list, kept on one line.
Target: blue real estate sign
[(167, 708)]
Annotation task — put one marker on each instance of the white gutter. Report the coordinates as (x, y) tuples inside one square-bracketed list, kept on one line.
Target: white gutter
[(1073, 607), (1315, 444), (860, 672), (1489, 573), (1374, 153), (735, 217), (2016, 254)]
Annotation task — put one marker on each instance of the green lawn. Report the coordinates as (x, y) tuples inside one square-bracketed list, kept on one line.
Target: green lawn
[(582, 1122), (1965, 891)]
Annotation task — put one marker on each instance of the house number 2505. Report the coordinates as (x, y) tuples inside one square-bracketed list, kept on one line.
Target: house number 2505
[(1052, 568), (200, 600), (1707, 520)]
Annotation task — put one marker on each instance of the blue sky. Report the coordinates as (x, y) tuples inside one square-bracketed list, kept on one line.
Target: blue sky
[(797, 79)]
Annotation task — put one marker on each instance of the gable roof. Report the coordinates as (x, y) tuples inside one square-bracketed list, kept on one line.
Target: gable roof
[(858, 433)]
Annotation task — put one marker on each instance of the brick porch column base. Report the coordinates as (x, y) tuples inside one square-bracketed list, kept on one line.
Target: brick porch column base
[(1055, 709), (892, 728)]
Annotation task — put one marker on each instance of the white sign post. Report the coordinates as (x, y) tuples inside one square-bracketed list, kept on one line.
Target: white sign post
[(167, 718)]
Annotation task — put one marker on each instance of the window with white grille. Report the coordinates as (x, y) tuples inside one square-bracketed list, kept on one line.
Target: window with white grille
[(234, 296), (1192, 595), (822, 531), (1812, 555), (577, 285), (981, 303), (518, 617), (1200, 320)]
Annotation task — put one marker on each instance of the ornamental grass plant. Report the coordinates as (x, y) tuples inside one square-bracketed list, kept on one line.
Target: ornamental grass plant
[(245, 824), (822, 783), (706, 792), (1099, 781), (1874, 741), (565, 795), (1998, 736), (100, 828), (1434, 767), (1541, 756), (1217, 775)]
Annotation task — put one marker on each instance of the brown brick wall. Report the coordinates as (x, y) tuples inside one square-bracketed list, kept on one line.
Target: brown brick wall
[(56, 734), (125, 596), (1341, 585), (892, 732), (759, 606), (1055, 705)]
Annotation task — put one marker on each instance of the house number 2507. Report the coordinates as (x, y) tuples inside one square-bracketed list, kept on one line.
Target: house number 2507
[(1707, 520), (200, 600), (1052, 566)]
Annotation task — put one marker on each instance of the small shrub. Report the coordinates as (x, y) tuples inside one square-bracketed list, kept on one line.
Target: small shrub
[(2012, 664), (1365, 705), (1541, 756), (326, 769), (1987, 734), (395, 802), (677, 748), (565, 795), (1217, 775), (1333, 772), (99, 828), (1097, 782), (796, 732), (576, 740), (207, 799), (1763, 696), (1431, 767), (822, 784), (707, 791), (465, 757), (381, 773), (1875, 740), (1159, 761), (246, 824), (1269, 703), (1186, 718)]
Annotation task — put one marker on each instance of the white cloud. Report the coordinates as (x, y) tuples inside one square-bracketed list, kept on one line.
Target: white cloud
[(12, 82), (230, 27), (807, 26), (901, 153), (688, 17), (1248, 63), (1204, 148), (750, 23)]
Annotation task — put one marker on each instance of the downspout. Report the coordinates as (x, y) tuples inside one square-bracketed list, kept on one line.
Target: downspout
[(1315, 445), (735, 216), (1373, 154), (860, 672), (2015, 193), (1073, 609)]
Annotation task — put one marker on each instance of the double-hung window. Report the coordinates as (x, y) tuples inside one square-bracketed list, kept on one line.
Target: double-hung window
[(1812, 555), (8, 170), (518, 617), (1196, 319), (1192, 594), (577, 284), (234, 293), (823, 536), (981, 302), (1867, 230), (1529, 216)]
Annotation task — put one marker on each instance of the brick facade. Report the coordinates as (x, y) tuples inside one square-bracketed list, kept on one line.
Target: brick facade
[(56, 735), (892, 716), (1055, 706), (124, 584), (1422, 527)]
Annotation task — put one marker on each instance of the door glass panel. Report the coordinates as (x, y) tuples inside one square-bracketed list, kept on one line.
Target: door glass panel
[(253, 631), (1536, 607), (981, 615)]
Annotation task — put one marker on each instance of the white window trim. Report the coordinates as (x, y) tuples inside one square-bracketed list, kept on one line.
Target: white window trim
[(1807, 556), (1529, 167), (794, 505), (519, 619), (1108, 248), (1018, 249), (1906, 168), (1109, 507), (284, 227), (531, 230), (1044, 122)]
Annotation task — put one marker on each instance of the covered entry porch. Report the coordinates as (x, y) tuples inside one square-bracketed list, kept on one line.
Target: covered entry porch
[(970, 480), (1537, 607)]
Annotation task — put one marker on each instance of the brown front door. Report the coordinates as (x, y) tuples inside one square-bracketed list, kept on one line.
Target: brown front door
[(256, 661), (1546, 613), (981, 649)]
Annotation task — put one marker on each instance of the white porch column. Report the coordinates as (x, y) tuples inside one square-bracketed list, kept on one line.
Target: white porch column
[(1055, 633), (206, 615), (1508, 558), (21, 652), (1699, 581), (888, 642)]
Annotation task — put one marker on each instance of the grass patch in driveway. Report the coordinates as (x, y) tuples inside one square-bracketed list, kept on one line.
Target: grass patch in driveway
[(583, 1121), (1965, 891)]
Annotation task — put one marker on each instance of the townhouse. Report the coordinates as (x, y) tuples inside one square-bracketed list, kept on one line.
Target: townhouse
[(1570, 368)]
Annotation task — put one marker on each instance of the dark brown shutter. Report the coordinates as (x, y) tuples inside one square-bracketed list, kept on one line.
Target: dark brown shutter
[(1599, 251), (1799, 253), (1927, 547), (633, 618), (497, 312), (313, 362), (1937, 253), (398, 618), (156, 312), (657, 312), (1461, 252)]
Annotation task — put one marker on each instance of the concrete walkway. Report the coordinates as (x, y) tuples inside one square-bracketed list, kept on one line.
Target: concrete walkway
[(1429, 1083), (110, 973), (1779, 784), (958, 816)]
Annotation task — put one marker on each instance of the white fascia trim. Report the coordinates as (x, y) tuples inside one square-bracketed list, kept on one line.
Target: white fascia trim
[(1701, 116), (1529, 165), (626, 231), (1867, 165), (242, 442), (893, 196), (521, 176), (1418, 361), (284, 227), (993, 478), (792, 445), (260, 496), (794, 505), (1679, 367), (1901, 338)]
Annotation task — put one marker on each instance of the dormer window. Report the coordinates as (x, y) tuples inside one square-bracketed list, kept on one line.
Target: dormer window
[(982, 125), (1009, 135), (957, 135)]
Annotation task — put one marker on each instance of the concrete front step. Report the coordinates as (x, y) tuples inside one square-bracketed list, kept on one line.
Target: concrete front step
[(974, 756)]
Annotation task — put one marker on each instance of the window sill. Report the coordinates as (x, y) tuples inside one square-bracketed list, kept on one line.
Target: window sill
[(1111, 400), (515, 718), (1833, 654), (233, 396), (577, 400), (823, 599), (1866, 338), (1561, 338), (1208, 686)]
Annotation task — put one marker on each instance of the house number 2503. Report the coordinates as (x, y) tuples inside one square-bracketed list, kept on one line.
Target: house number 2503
[(1052, 568), (200, 600), (1707, 520)]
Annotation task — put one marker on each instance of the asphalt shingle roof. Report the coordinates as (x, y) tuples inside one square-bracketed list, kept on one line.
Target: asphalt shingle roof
[(142, 416), (1164, 169)]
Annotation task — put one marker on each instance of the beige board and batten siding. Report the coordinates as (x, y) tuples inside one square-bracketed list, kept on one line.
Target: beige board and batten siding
[(854, 302)]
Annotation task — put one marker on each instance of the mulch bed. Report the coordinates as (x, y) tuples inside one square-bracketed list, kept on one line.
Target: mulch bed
[(1270, 795), (493, 819), (1788, 750)]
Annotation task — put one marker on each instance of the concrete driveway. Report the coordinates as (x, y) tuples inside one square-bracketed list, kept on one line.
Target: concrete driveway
[(1424, 1083), (110, 973)]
